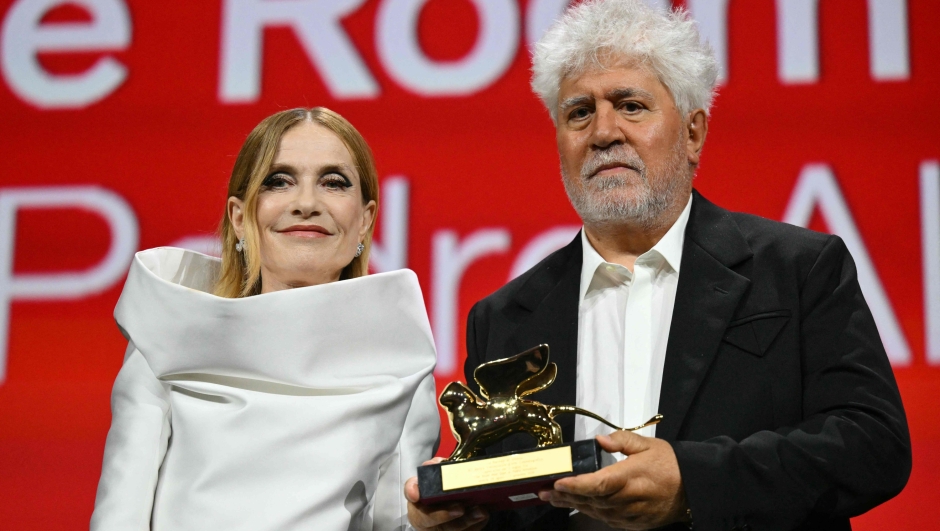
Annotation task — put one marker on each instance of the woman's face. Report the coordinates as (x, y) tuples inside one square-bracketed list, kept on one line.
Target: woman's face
[(310, 212)]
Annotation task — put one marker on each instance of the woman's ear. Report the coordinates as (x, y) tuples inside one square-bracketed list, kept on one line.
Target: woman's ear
[(236, 215), (368, 214)]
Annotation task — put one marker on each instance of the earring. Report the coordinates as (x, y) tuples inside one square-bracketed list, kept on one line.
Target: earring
[(240, 245), (359, 249)]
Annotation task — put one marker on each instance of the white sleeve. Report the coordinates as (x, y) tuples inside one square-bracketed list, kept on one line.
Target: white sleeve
[(419, 440), (134, 451)]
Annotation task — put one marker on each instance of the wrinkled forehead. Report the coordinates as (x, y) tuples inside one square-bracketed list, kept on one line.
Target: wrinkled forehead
[(613, 79), (622, 72)]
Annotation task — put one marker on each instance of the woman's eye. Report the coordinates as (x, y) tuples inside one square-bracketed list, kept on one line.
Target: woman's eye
[(275, 181), (336, 182)]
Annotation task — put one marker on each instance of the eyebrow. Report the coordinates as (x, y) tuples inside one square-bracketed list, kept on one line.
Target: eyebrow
[(574, 102), (338, 167), (631, 92), (615, 94)]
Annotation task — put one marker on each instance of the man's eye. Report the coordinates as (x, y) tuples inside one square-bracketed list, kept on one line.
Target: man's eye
[(632, 106), (579, 114)]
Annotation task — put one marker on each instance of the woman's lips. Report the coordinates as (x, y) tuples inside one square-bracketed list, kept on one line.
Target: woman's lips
[(306, 231)]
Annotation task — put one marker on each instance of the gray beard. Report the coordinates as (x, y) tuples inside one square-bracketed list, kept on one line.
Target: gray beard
[(598, 203)]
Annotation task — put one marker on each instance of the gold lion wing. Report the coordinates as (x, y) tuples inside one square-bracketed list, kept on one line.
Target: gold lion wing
[(516, 376)]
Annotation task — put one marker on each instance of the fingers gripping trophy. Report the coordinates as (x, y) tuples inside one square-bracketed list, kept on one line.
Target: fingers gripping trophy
[(509, 480)]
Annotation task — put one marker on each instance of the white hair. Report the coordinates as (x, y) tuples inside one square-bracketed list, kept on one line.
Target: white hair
[(593, 33)]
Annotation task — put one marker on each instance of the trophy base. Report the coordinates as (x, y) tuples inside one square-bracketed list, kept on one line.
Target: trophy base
[(510, 480)]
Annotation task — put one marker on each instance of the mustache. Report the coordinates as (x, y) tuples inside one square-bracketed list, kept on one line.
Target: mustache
[(617, 155)]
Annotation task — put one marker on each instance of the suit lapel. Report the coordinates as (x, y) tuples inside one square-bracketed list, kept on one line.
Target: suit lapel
[(551, 294), (707, 295)]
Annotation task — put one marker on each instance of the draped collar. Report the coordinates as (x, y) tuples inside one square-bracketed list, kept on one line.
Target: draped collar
[(352, 333)]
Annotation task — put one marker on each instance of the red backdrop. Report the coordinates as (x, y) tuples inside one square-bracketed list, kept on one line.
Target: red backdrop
[(121, 121)]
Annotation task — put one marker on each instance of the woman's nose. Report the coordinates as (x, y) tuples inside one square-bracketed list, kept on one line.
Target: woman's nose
[(307, 202)]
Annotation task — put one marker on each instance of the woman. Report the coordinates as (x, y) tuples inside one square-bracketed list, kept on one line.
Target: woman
[(243, 404)]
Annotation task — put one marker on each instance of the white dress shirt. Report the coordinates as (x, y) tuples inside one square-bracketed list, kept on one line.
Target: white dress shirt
[(623, 327)]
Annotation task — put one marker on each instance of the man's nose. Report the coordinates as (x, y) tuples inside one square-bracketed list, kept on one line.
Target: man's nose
[(606, 127)]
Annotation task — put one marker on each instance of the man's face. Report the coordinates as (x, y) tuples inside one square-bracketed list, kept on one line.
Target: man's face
[(624, 148)]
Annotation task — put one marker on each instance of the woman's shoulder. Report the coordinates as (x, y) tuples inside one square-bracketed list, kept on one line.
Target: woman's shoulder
[(183, 267), (350, 331)]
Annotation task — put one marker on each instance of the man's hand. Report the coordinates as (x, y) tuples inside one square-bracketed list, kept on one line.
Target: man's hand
[(640, 492), (443, 517)]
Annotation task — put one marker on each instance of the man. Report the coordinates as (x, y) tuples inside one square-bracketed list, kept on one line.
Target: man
[(750, 336)]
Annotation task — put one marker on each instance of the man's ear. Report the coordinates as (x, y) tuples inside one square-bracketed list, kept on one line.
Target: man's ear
[(368, 214), (697, 127), (236, 214)]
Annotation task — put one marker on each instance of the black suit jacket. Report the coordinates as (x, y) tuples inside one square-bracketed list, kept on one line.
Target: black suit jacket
[(778, 397)]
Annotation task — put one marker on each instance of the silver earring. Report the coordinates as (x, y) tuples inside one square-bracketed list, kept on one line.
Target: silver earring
[(240, 245), (359, 249)]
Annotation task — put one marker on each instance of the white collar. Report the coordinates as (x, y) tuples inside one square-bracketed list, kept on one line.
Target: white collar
[(346, 333), (669, 247)]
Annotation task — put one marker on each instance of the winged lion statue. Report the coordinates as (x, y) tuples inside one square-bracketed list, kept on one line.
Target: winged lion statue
[(479, 422)]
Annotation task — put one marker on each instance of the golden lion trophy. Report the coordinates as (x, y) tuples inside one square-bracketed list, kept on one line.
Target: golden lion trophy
[(513, 479)]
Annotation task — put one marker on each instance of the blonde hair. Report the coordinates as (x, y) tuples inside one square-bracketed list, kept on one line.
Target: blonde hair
[(241, 271)]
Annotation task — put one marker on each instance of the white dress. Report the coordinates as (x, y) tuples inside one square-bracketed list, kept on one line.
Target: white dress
[(300, 409)]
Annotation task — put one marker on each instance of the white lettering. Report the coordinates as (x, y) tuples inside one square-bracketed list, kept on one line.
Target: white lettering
[(541, 246), (817, 186), (392, 253), (888, 40), (798, 40), (70, 284), (406, 63), (24, 37), (450, 261), (712, 18), (540, 15), (930, 238), (316, 24)]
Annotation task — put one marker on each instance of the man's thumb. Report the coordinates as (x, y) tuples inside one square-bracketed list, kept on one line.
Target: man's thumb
[(622, 441), (411, 490)]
